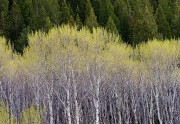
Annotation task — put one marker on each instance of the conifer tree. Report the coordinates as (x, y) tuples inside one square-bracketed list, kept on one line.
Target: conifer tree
[(91, 20), (106, 10), (40, 20), (73, 4), (26, 7), (151, 24), (78, 22), (53, 10), (3, 14), (14, 23), (121, 11), (144, 27), (163, 25), (82, 8), (176, 20), (22, 40), (167, 10), (111, 26), (154, 4), (96, 6), (65, 13)]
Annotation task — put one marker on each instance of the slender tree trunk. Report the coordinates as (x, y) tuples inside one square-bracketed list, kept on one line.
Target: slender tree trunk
[(50, 109), (157, 105), (68, 103), (76, 104), (75, 99), (96, 102)]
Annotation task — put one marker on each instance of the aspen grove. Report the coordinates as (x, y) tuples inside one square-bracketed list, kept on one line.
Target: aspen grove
[(89, 77)]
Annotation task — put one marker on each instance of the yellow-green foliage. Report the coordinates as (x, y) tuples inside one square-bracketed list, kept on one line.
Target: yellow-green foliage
[(4, 115), (67, 47), (81, 47), (78, 48), (32, 115), (64, 48), (158, 51), (5, 51)]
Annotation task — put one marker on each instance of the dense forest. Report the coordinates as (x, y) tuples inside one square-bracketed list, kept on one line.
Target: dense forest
[(89, 77), (135, 20), (89, 62)]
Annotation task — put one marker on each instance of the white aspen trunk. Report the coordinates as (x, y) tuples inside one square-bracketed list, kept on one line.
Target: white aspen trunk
[(96, 102), (151, 110), (76, 104), (77, 115), (118, 101), (97, 111), (36, 88), (158, 110), (10, 99), (68, 107), (50, 109), (10, 106), (68, 103), (77, 112), (172, 104)]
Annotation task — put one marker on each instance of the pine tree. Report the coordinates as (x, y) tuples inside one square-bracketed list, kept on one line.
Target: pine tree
[(91, 20), (65, 13), (151, 24), (71, 21), (26, 7), (163, 25), (106, 10), (121, 11), (96, 6), (22, 41), (176, 20), (78, 22), (154, 4), (73, 4), (144, 26), (3, 14), (167, 10), (40, 19), (82, 8), (14, 23), (53, 10), (111, 26)]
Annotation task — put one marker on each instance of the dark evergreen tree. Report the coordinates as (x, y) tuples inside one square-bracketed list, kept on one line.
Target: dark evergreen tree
[(111, 26), (73, 4), (22, 41), (3, 15), (78, 22), (163, 25), (82, 8), (26, 7), (143, 25), (91, 20), (176, 20), (106, 10), (53, 10), (14, 23), (167, 10), (121, 11), (40, 19), (65, 13)]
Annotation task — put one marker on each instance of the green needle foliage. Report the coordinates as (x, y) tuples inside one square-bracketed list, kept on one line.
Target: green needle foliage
[(135, 21)]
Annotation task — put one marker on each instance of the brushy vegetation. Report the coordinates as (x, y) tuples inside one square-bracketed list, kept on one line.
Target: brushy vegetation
[(78, 77)]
